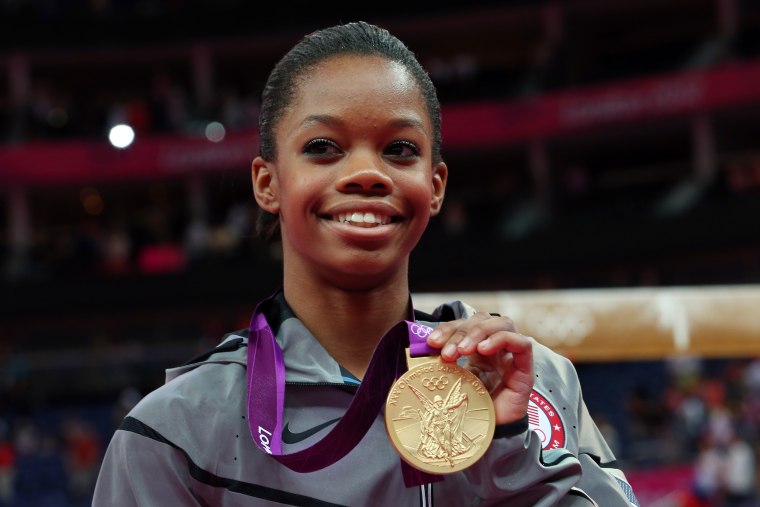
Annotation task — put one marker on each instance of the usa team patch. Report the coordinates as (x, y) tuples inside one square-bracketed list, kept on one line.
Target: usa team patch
[(544, 419)]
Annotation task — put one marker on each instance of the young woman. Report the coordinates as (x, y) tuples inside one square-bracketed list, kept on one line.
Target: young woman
[(350, 172)]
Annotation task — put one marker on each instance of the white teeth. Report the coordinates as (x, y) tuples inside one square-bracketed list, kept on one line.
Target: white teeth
[(362, 218)]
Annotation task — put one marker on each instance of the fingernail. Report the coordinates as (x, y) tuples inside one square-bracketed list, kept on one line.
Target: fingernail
[(449, 350), (435, 336), (464, 344)]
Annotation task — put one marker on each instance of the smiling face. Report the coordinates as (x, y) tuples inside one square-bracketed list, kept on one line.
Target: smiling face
[(353, 180)]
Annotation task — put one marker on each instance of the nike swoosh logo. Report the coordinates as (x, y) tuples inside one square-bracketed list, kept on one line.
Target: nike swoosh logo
[(291, 438)]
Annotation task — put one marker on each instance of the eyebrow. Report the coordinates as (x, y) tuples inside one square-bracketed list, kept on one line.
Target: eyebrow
[(326, 119)]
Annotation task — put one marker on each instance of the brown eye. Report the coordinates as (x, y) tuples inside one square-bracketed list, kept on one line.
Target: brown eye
[(321, 148), (402, 150)]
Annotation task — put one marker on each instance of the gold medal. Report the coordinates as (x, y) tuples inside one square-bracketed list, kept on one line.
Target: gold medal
[(439, 416)]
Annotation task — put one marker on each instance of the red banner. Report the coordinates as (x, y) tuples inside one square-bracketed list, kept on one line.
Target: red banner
[(149, 157), (544, 116)]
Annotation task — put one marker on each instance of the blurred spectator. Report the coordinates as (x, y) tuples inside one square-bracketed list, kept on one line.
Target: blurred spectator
[(83, 455), (50, 112), (647, 412), (725, 473), (41, 479), (229, 239), (710, 470), (239, 112), (690, 417), (167, 104), (743, 175), (133, 111), (117, 251), (739, 479), (239, 221), (752, 377), (720, 427), (455, 220), (196, 240), (159, 242), (575, 189), (7, 464)]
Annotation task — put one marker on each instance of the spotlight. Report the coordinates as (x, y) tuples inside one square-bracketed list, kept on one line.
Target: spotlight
[(121, 136)]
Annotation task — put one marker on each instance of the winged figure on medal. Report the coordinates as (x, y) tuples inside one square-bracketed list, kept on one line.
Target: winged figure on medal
[(441, 424)]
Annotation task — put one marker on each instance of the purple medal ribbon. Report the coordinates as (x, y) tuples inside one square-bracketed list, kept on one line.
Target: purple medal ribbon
[(265, 378)]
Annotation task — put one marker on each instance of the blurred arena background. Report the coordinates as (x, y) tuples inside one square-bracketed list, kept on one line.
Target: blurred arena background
[(605, 193)]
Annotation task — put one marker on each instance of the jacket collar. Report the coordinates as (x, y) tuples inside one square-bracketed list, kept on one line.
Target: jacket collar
[(306, 361)]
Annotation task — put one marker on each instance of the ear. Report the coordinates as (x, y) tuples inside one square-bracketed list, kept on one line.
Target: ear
[(440, 176), (265, 186)]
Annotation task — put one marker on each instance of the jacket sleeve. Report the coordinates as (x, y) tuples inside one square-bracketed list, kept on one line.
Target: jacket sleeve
[(601, 479), (516, 471), (140, 471)]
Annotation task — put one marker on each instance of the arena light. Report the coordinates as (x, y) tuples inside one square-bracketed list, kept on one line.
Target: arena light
[(121, 136), (215, 132)]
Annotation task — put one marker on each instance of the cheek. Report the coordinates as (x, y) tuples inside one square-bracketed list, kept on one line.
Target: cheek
[(300, 193), (421, 189)]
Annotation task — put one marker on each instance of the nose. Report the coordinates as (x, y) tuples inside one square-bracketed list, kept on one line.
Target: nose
[(363, 174)]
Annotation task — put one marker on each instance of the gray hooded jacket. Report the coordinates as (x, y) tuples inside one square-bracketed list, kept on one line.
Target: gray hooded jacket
[(188, 443)]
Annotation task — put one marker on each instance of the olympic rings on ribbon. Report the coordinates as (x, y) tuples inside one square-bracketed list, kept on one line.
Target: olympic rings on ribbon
[(421, 330)]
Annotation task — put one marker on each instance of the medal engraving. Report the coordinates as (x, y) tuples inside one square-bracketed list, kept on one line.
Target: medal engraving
[(439, 417)]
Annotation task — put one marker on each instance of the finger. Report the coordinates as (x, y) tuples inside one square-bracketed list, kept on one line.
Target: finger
[(516, 376), (479, 331), (441, 334), (520, 347), (448, 335), (450, 351), (505, 340)]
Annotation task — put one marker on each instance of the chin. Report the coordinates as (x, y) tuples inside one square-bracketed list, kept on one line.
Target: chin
[(366, 273)]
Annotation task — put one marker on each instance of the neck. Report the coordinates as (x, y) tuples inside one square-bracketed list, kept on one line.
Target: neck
[(348, 323)]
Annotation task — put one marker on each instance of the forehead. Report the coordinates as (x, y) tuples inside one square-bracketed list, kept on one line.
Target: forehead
[(367, 82)]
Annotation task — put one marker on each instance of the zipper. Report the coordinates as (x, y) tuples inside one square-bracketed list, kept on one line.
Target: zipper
[(319, 384)]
